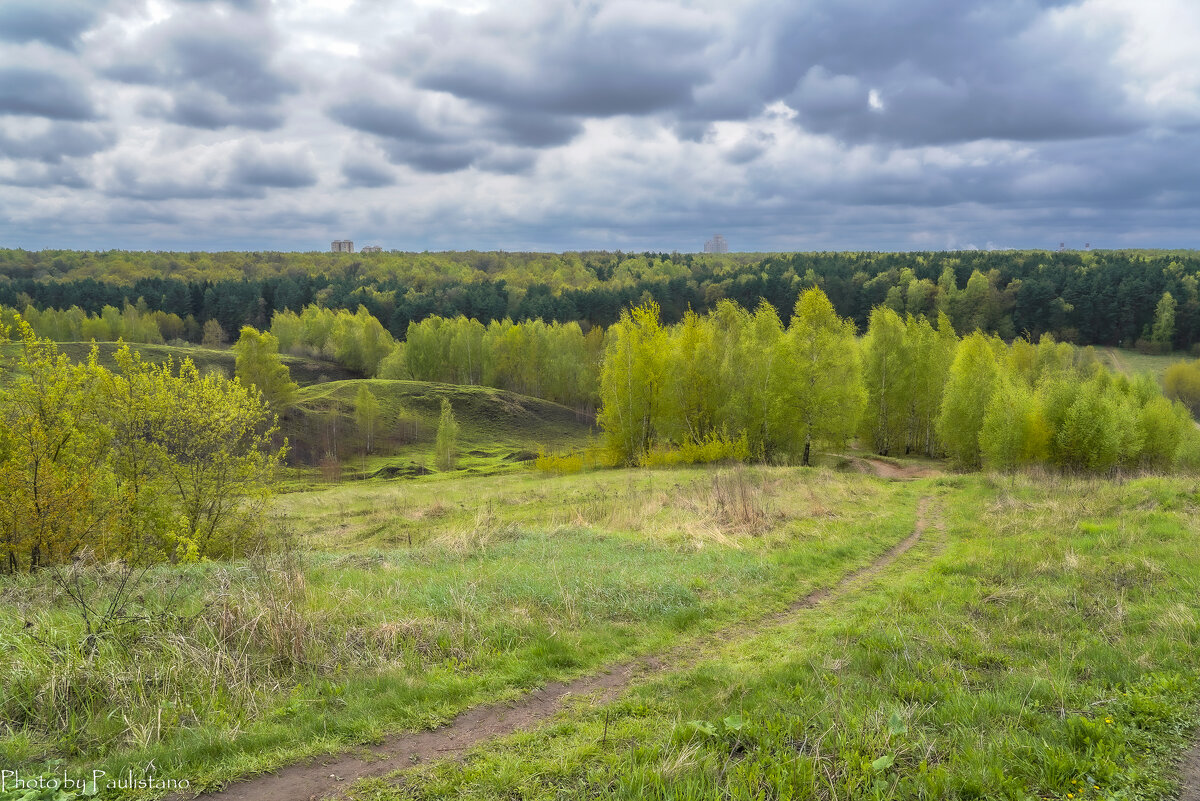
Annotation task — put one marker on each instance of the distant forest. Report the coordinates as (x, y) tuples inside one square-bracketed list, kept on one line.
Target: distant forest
[(1119, 298)]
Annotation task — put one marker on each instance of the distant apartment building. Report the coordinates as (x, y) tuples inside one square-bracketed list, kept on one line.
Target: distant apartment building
[(371, 249), (716, 245), (342, 246)]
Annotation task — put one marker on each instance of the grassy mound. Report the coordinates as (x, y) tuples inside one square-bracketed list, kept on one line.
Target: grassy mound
[(304, 371), (496, 428)]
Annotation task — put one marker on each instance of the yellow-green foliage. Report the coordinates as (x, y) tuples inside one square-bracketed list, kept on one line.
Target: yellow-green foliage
[(143, 463), (258, 365), (446, 447), (357, 341), (717, 377), (1182, 383), (133, 323), (714, 448), (555, 361)]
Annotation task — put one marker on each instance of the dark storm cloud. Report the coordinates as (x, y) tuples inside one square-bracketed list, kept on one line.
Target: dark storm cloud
[(56, 22), (51, 146), (366, 175), (533, 129), (945, 72), (131, 181), (579, 59), (197, 108), (937, 71), (387, 120), (40, 176), (40, 93), (443, 146), (255, 167), (621, 123), (435, 158), (218, 68)]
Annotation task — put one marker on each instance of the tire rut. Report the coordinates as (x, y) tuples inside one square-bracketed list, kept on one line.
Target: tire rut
[(326, 776), (1189, 774)]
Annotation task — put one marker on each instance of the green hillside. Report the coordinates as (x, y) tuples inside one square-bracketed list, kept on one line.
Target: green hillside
[(304, 371), (497, 428), (1131, 362)]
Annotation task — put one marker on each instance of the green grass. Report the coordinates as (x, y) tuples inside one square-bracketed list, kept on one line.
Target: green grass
[(1044, 644), (1131, 362), (511, 581), (498, 430)]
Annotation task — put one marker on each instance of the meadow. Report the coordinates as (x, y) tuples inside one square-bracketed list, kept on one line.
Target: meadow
[(538, 620), (1038, 639)]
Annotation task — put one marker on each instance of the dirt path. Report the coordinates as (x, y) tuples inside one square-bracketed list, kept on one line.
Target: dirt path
[(1189, 772), (890, 471), (324, 776)]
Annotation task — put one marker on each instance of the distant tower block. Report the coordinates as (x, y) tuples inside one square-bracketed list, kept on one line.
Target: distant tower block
[(716, 245), (342, 246), (371, 249), (1062, 246), (1087, 245)]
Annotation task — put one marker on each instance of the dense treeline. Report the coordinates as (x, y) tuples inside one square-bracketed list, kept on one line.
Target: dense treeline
[(733, 384), (143, 463), (555, 361), (1099, 297)]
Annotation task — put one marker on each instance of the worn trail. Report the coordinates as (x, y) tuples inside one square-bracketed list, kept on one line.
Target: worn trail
[(1189, 771), (324, 776)]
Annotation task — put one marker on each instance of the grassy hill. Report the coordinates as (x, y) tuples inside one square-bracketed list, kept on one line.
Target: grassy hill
[(304, 371), (1131, 362), (496, 428)]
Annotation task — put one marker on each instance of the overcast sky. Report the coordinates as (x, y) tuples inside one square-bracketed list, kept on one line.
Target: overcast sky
[(631, 124)]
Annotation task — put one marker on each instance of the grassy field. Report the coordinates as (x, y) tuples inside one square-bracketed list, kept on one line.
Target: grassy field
[(1011, 655), (1131, 362), (511, 581), (1040, 640)]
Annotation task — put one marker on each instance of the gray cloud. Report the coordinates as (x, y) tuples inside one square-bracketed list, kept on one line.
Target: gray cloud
[(58, 23), (449, 145), (217, 66), (577, 58), (945, 72), (600, 123), (44, 176), (40, 93), (197, 108), (360, 173), (61, 140), (256, 167)]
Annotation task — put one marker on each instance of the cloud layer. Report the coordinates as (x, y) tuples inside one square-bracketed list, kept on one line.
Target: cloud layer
[(634, 124)]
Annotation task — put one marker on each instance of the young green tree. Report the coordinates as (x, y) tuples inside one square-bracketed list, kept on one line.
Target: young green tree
[(1163, 330), (208, 444), (55, 489), (257, 363), (820, 382), (690, 392), (1182, 383), (930, 352), (973, 377), (366, 412), (885, 361), (629, 381), (214, 335), (446, 446), (1014, 432), (1089, 438)]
